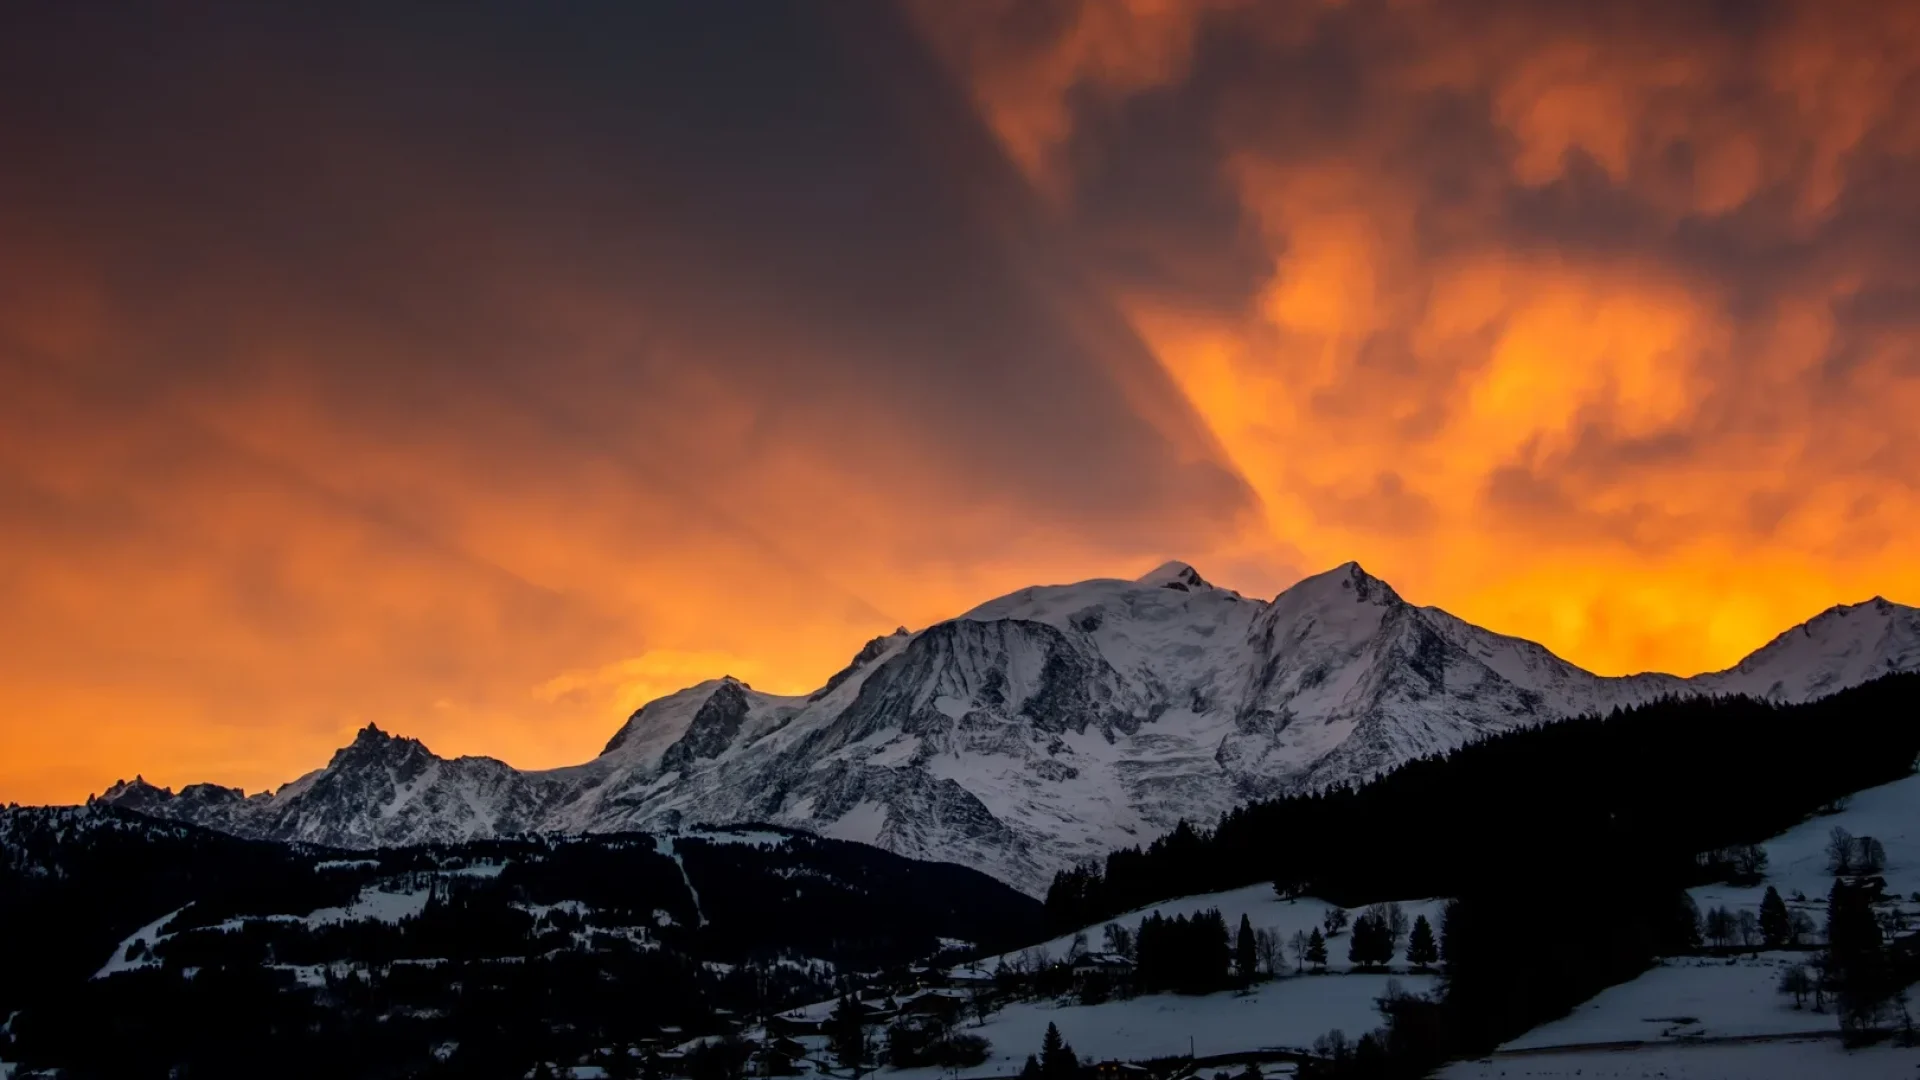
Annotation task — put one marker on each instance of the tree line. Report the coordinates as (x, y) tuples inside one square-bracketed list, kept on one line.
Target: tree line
[(1665, 782)]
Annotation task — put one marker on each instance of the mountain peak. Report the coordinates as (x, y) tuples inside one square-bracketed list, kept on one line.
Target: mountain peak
[(1173, 574), (121, 788), (1349, 579), (374, 743), (136, 794)]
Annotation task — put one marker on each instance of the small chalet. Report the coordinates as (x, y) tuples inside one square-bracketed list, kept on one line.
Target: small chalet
[(1111, 965), (943, 1005), (790, 1024)]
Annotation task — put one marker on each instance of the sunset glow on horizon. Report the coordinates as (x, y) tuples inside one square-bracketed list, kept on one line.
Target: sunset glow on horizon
[(486, 380)]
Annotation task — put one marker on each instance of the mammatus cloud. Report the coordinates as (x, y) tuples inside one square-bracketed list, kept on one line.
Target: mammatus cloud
[(1591, 322)]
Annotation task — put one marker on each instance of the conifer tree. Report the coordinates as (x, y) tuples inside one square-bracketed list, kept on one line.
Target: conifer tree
[(1856, 960), (1776, 925), (1031, 1070), (1421, 949), (1372, 941), (1316, 949), (1245, 953), (1057, 1059), (847, 1028)]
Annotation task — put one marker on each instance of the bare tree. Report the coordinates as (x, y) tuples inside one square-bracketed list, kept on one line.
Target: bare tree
[(1335, 920), (1396, 925), (1269, 950), (1800, 928), (1749, 862), (1893, 922), (1078, 948), (1868, 856), (1840, 851), (1746, 927), (1119, 940), (1721, 926), (1334, 1045), (1797, 982), (1298, 945)]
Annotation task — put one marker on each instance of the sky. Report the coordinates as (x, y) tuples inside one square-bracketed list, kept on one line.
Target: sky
[(484, 371)]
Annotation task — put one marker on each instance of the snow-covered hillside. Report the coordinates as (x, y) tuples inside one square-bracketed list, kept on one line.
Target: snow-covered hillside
[(1797, 859), (1041, 728), (1669, 1022), (1282, 1014), (1258, 903), (1783, 1059)]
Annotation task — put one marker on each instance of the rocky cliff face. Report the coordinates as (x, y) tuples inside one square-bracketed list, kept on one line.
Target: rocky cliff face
[(1041, 728)]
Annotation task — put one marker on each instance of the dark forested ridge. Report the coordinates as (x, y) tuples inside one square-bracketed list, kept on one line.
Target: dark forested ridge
[(488, 957), (1648, 787), (1567, 849)]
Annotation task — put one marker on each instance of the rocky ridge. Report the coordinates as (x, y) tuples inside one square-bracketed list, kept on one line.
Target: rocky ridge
[(1041, 728)]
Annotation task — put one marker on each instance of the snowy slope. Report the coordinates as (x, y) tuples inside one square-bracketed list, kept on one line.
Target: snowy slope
[(1688, 999), (1041, 728), (1262, 909), (1841, 647), (1797, 858), (1284, 1013), (1794, 1059)]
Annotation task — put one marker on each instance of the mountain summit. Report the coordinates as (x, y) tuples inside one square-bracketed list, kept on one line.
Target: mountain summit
[(1041, 728)]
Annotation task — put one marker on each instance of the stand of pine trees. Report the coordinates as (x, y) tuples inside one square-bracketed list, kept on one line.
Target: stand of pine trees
[(1569, 848), (1667, 781), (1184, 955)]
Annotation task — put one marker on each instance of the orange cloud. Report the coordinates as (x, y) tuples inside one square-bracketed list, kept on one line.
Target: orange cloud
[(484, 398), (1564, 319)]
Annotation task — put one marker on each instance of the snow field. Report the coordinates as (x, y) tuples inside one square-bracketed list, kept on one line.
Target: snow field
[(1808, 1059), (1688, 997), (1264, 909), (1288, 1012), (150, 934), (1797, 858)]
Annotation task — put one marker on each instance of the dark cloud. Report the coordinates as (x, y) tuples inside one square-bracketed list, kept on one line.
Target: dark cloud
[(404, 355)]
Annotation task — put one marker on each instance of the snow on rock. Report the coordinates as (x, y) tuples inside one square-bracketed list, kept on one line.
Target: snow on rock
[(1843, 646), (1039, 729)]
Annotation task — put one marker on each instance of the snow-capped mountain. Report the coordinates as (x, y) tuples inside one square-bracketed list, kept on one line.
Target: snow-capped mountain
[(1041, 728)]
